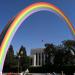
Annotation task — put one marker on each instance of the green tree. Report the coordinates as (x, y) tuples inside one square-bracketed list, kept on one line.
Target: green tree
[(69, 46), (59, 56), (24, 60), (10, 55), (49, 52), (68, 43), (22, 52), (9, 60)]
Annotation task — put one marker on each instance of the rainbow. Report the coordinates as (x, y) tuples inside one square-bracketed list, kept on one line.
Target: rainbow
[(23, 15)]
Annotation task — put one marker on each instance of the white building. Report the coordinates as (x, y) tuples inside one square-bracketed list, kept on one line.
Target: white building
[(38, 57)]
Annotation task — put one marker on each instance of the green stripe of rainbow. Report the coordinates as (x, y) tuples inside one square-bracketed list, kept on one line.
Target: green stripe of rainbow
[(22, 16)]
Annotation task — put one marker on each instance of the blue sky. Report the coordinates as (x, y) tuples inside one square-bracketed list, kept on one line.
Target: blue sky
[(40, 26)]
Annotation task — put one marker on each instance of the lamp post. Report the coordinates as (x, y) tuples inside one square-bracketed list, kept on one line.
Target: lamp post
[(18, 63)]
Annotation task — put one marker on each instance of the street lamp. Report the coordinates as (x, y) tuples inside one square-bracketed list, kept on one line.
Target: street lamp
[(18, 62)]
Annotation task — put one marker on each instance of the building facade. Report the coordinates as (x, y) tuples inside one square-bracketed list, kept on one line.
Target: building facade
[(38, 57)]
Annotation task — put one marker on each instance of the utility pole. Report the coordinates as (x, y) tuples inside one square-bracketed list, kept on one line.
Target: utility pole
[(62, 73)]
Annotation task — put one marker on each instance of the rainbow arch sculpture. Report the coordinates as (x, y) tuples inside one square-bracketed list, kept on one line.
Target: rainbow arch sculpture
[(23, 15)]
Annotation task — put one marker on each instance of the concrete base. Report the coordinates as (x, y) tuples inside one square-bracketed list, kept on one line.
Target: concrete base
[(0, 73)]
